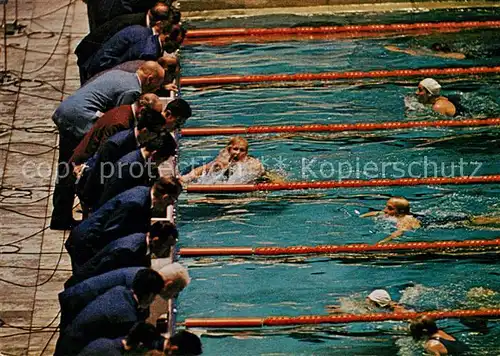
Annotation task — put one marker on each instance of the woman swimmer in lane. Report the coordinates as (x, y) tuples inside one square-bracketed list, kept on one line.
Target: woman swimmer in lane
[(398, 210), (441, 50)]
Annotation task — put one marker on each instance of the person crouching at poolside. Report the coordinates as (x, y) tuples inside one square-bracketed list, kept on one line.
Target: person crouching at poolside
[(233, 164), (397, 208), (428, 93)]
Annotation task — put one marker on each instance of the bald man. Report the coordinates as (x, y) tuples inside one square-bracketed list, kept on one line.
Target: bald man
[(76, 115)]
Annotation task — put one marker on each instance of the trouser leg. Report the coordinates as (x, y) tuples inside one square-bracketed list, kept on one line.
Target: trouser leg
[(64, 192)]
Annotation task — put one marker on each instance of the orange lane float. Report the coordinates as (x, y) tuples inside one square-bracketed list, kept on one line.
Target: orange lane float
[(424, 72), (323, 249), (362, 126), (225, 32), (332, 319), (349, 183)]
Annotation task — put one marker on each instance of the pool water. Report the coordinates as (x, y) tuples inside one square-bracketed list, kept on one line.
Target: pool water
[(305, 285)]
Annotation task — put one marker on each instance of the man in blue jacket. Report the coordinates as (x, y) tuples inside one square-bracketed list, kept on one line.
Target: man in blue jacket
[(132, 250), (112, 314), (131, 43), (127, 213), (75, 116)]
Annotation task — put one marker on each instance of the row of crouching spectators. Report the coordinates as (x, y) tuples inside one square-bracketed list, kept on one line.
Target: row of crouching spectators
[(114, 133)]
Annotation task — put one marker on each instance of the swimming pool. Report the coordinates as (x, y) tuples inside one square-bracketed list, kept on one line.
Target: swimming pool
[(299, 285)]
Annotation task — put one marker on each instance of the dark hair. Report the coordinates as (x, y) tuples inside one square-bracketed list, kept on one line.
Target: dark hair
[(147, 282), (150, 119), (187, 343), (441, 47), (176, 16), (164, 145), (176, 31), (159, 12), (142, 332), (179, 108), (167, 185), (423, 325), (163, 229)]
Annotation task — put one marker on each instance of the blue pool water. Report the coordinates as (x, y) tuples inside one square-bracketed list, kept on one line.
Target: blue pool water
[(304, 285)]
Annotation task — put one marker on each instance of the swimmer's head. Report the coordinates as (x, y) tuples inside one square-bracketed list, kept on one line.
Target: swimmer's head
[(380, 298), (238, 148), (423, 326), (428, 89), (441, 47), (397, 206)]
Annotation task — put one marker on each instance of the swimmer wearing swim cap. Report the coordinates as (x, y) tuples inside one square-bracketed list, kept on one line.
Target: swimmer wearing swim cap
[(428, 93), (399, 209)]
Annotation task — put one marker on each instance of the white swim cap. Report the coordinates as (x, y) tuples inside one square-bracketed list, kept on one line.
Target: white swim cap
[(431, 85), (381, 297)]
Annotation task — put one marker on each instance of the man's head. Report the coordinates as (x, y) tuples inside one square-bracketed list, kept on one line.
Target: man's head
[(159, 12), (423, 326), (178, 34), (151, 75), (160, 148), (176, 113), (162, 236), (146, 285), (238, 148), (150, 125), (164, 193), (428, 89), (175, 278), (397, 206), (183, 343), (141, 333), (380, 298), (150, 101)]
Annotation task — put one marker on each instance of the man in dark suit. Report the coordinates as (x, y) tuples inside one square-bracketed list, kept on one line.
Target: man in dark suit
[(150, 124), (127, 213), (130, 43), (101, 11), (139, 167), (75, 298), (132, 250), (94, 40), (117, 119), (112, 314)]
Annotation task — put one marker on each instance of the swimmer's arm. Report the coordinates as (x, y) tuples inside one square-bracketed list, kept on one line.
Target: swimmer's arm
[(370, 214), (197, 172), (435, 348), (401, 50), (392, 236), (452, 55)]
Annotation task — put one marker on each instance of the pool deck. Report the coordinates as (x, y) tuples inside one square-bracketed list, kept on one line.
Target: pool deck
[(200, 9), (32, 271)]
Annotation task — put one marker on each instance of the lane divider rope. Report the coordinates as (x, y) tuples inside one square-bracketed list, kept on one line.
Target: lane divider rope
[(326, 249), (331, 319), (423, 72), (350, 183), (362, 126), (218, 32)]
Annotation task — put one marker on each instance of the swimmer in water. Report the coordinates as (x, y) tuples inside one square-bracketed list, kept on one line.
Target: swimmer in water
[(379, 298), (437, 341), (441, 50), (428, 93), (397, 208), (233, 164)]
